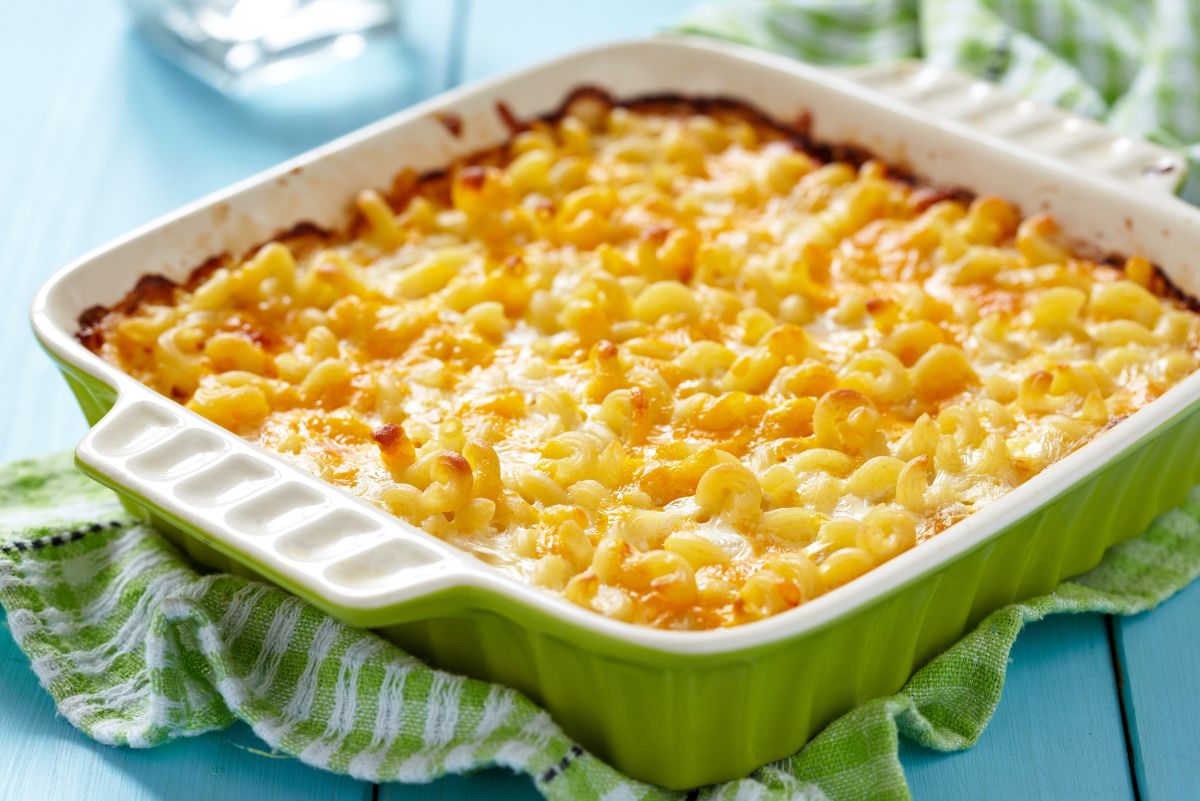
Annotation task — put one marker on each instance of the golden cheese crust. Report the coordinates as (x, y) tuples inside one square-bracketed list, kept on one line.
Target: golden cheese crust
[(663, 360)]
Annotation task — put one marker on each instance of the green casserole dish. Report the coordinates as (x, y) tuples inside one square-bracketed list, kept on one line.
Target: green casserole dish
[(680, 709)]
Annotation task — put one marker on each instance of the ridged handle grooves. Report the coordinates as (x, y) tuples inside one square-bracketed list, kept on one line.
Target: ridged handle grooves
[(329, 544), (1064, 136)]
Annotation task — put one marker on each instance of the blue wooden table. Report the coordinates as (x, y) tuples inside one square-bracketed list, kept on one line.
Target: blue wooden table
[(99, 135)]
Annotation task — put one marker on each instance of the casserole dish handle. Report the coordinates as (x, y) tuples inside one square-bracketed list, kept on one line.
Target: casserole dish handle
[(989, 109), (273, 518)]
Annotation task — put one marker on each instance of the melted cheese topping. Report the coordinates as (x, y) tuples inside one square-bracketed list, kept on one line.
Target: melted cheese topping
[(667, 363)]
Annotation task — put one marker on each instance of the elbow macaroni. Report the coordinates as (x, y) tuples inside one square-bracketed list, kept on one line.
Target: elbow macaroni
[(663, 361)]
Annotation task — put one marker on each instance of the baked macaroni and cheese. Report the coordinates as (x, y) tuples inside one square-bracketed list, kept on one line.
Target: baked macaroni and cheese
[(665, 357)]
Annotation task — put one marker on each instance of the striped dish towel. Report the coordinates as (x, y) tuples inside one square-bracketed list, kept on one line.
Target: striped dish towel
[(138, 648), (1133, 63)]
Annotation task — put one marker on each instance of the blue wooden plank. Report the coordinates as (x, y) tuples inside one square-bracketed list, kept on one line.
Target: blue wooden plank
[(504, 36), (496, 785), (1159, 655), (1056, 733), (433, 33), (42, 756)]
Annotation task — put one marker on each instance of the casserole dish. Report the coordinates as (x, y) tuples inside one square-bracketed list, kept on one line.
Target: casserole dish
[(675, 708)]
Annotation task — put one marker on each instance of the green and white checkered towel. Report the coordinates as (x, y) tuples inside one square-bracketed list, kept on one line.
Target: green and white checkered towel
[(138, 648), (1133, 63)]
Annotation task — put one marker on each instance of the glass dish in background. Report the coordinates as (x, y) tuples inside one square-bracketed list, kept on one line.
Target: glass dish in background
[(238, 46)]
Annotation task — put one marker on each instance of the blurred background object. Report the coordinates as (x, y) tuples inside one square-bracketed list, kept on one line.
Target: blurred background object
[(238, 46)]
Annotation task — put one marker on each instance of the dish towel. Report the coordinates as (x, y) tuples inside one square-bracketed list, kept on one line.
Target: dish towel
[(1133, 63), (138, 647)]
